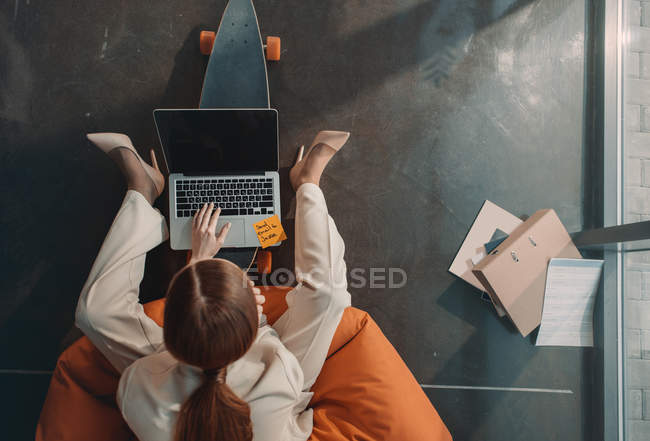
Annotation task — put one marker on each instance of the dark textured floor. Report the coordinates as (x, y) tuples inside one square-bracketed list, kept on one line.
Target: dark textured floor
[(449, 103)]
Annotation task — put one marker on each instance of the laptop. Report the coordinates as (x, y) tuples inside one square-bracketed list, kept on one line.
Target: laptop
[(225, 156)]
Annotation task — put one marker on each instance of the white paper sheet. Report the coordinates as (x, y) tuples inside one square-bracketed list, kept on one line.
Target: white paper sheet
[(567, 317), (489, 218)]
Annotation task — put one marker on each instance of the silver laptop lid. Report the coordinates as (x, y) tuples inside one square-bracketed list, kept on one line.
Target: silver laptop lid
[(218, 141)]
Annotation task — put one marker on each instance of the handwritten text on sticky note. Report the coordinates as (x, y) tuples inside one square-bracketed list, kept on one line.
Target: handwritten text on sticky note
[(269, 231)]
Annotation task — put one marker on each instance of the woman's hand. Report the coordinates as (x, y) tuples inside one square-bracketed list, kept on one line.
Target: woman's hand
[(205, 244), (259, 299)]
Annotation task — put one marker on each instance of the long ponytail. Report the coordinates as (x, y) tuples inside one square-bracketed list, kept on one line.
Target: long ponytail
[(214, 412), (211, 321)]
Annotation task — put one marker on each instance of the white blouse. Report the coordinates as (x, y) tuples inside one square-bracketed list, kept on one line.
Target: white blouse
[(268, 377), (274, 377)]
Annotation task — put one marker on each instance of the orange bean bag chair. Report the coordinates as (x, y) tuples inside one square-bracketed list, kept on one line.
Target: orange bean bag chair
[(364, 392)]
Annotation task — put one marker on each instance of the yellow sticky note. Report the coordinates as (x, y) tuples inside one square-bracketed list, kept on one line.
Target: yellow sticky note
[(269, 231)]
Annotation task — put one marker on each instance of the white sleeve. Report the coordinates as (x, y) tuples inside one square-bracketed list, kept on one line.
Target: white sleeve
[(109, 311)]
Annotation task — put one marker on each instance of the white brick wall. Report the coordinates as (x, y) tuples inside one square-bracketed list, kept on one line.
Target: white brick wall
[(637, 313), (637, 374), (639, 38), (636, 148), (635, 404), (637, 199), (638, 90), (637, 430), (644, 65), (633, 343), (633, 281), (633, 65), (644, 344), (633, 172), (645, 287), (645, 13), (644, 171), (644, 123), (632, 118)]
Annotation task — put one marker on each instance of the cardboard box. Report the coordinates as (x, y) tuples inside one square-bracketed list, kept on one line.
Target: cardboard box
[(514, 273)]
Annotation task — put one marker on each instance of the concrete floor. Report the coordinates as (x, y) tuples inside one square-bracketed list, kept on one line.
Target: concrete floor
[(449, 102)]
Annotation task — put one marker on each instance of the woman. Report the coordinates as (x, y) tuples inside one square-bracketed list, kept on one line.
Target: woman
[(213, 372)]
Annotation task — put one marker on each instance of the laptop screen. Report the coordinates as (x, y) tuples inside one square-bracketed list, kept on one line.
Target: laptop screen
[(214, 141)]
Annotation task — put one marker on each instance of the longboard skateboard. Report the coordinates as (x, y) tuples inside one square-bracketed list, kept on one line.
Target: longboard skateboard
[(236, 77), (236, 74)]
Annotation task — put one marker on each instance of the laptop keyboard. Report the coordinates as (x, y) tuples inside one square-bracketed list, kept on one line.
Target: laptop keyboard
[(235, 196)]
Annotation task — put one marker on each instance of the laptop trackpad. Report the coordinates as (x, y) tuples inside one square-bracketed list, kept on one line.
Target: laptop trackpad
[(236, 235)]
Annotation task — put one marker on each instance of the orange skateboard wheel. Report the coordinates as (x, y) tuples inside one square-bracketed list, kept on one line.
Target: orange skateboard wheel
[(273, 48), (206, 40), (263, 262)]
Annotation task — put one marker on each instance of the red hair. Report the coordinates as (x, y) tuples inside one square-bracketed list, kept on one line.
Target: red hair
[(211, 321)]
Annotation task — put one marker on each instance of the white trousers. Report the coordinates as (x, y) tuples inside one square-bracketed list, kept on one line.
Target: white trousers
[(110, 314)]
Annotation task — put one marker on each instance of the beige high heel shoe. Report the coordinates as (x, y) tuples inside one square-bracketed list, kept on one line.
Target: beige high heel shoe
[(329, 138), (332, 138), (109, 141)]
